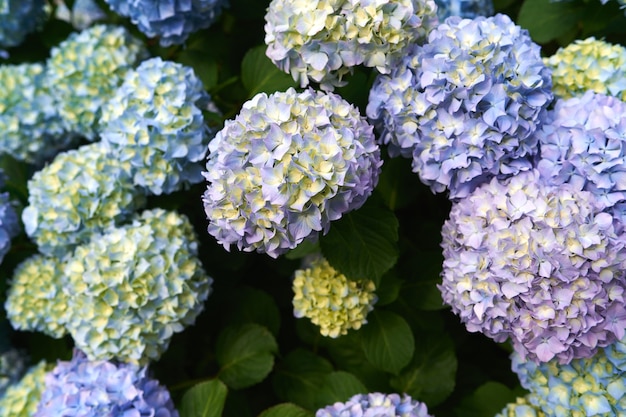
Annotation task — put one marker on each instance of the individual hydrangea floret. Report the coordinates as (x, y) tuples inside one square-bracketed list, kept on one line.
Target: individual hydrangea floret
[(154, 122), (588, 64), (522, 407), (81, 387), (31, 128), (170, 20), (9, 221), (79, 193), (330, 300), (22, 398), (594, 386), (465, 8), (376, 404), (35, 299), (131, 288), (18, 18), (466, 104), (323, 40), (84, 71), (285, 167), (539, 264), (12, 368)]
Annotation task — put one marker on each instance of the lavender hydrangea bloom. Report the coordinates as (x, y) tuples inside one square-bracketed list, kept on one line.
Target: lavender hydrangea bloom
[(132, 287), (21, 398), (31, 127), (465, 8), (285, 167), (18, 18), (171, 20), (83, 388), (594, 386), (12, 368), (539, 264), (376, 404), (323, 40), (154, 123), (466, 104), (84, 71), (9, 222)]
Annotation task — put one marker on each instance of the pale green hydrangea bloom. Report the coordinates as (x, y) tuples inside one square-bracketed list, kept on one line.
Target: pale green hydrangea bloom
[(330, 300), (22, 399)]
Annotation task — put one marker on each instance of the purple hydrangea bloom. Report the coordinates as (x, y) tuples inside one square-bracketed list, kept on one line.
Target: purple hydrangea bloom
[(539, 264), (376, 404), (171, 20), (99, 388), (285, 167), (464, 8), (466, 104), (18, 18)]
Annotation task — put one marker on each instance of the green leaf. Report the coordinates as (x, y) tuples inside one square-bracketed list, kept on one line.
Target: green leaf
[(387, 341), (245, 354), (299, 376), (547, 20), (339, 386), (204, 67), (388, 289), (259, 74), (286, 410), (204, 400), (422, 292), (303, 249), (431, 374), (488, 400), (249, 305), (363, 243)]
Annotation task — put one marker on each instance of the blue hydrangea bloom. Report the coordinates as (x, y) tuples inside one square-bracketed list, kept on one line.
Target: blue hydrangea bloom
[(522, 407), (12, 368), (171, 20), (18, 18), (285, 167), (83, 388), (9, 221), (464, 105), (376, 404), (539, 264), (465, 8), (154, 123)]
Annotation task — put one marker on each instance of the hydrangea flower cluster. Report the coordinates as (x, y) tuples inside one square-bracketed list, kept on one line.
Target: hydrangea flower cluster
[(588, 64), (83, 388), (465, 8), (539, 264), (18, 18), (84, 71), (522, 407), (9, 223), (21, 399), (583, 143), (285, 167), (593, 386), (31, 128), (376, 404), (131, 288), (323, 40), (35, 299), (80, 192), (12, 368), (171, 20), (466, 104), (154, 123), (332, 301)]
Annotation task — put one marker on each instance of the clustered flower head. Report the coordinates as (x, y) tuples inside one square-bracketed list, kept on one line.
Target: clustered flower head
[(323, 40), (171, 20), (154, 123), (465, 105), (330, 300), (539, 264), (594, 386), (31, 128), (285, 167), (81, 387), (588, 64), (21, 399), (583, 143), (12, 368), (465, 8), (376, 404), (522, 407), (84, 71), (132, 287), (9, 222), (18, 18), (35, 299), (80, 192)]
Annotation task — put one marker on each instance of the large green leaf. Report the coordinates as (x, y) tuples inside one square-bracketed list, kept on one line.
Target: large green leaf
[(249, 305), (363, 243), (205, 399), (260, 75), (339, 386), (387, 341), (204, 67), (546, 20), (421, 290), (286, 410), (245, 354), (488, 400)]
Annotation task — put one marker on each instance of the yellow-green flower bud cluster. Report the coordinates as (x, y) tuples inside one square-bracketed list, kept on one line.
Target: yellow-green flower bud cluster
[(330, 300), (22, 399)]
